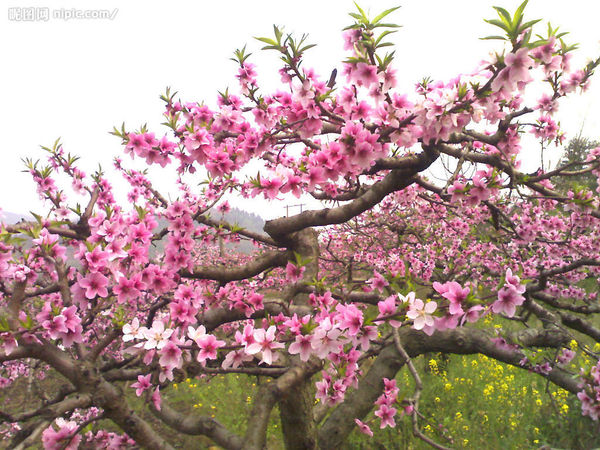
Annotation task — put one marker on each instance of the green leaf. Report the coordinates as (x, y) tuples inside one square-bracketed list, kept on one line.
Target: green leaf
[(519, 12), (37, 216), (487, 38), (4, 324), (504, 15), (498, 24), (360, 10), (278, 33), (387, 25), (266, 40), (384, 34), (529, 24), (306, 47), (384, 13)]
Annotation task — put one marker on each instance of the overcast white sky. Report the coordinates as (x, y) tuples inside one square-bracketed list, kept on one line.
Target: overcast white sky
[(77, 78)]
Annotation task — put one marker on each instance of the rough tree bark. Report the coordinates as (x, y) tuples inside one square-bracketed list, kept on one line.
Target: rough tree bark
[(296, 408)]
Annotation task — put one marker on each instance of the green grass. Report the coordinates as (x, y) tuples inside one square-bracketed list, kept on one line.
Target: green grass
[(476, 402), (468, 402)]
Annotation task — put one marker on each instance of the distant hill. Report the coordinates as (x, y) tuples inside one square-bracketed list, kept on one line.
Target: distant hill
[(10, 218), (244, 219), (239, 217)]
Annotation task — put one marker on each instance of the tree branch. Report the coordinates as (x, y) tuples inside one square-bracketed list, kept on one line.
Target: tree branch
[(259, 264)]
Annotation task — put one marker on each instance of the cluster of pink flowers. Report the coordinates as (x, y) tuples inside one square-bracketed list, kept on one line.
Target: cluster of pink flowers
[(65, 326), (509, 296), (590, 393), (63, 438)]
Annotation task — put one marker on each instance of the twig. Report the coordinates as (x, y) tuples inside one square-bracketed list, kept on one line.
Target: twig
[(415, 399)]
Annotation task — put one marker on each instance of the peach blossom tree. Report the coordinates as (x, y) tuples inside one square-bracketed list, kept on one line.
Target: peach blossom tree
[(119, 300)]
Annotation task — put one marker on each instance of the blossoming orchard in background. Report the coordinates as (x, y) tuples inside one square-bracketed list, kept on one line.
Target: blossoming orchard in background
[(120, 300)]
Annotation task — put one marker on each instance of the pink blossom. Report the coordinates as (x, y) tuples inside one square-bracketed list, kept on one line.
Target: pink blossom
[(386, 414), (378, 281), (157, 336), (519, 64), (97, 258), (55, 326), (265, 344), (142, 384), (235, 359), (326, 339), (508, 300), (364, 74), (170, 355), (95, 285), (363, 427), (126, 290), (156, 398), (64, 438), (514, 281), (472, 314), (351, 318), (133, 330), (388, 307), (196, 334), (293, 272), (454, 293), (304, 94), (303, 346), (208, 347), (421, 314)]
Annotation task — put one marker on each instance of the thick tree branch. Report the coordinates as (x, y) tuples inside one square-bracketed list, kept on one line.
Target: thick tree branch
[(268, 395), (259, 264), (198, 425)]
